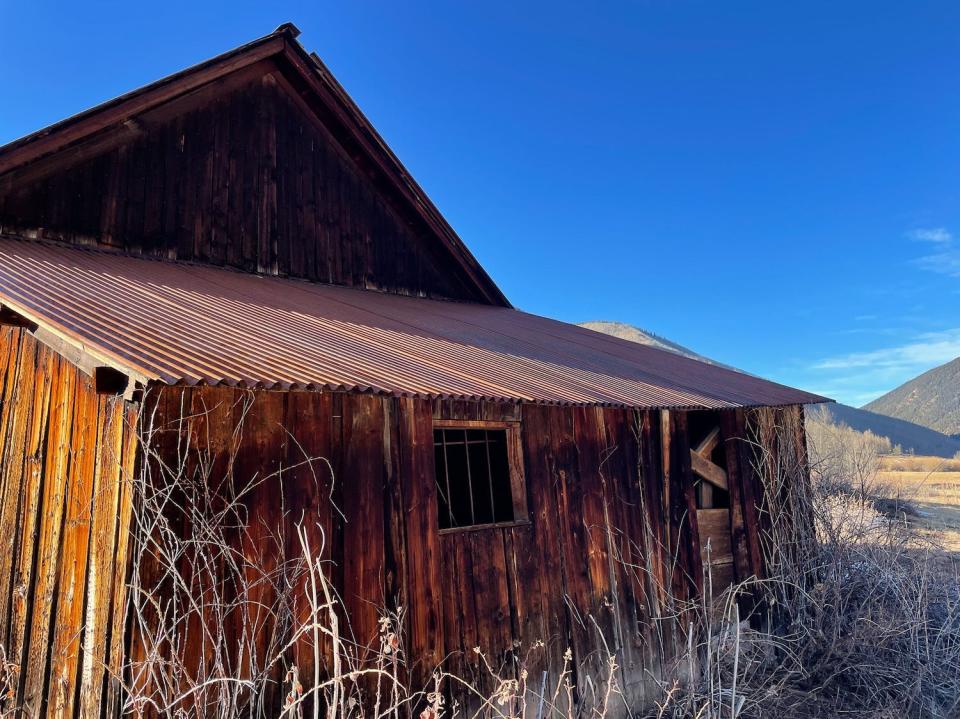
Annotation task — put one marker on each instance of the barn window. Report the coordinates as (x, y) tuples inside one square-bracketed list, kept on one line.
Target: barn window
[(479, 481)]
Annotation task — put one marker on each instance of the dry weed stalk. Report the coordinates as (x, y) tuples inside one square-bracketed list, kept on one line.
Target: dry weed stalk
[(204, 641), (9, 674)]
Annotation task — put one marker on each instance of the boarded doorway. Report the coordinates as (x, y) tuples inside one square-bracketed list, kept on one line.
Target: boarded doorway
[(708, 462)]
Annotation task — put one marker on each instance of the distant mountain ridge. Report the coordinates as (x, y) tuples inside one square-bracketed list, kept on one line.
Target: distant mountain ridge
[(909, 435), (931, 399), (641, 336)]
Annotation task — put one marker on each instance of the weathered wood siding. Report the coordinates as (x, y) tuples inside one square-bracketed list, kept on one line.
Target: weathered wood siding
[(65, 453), (241, 173), (611, 547)]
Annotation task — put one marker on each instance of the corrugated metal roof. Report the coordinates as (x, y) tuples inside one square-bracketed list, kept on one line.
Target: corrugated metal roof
[(187, 324)]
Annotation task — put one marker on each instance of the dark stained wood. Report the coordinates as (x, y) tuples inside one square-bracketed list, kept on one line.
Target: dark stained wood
[(685, 538), (259, 161), (752, 494), (260, 455), (423, 582), (736, 474), (98, 119), (363, 480), (714, 526), (308, 487)]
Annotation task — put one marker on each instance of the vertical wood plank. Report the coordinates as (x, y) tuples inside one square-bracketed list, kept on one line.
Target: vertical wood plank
[(103, 556), (259, 462), (23, 581), (423, 562), (18, 411), (363, 535), (735, 479), (34, 673), (121, 566), (685, 537), (752, 495), (308, 493), (67, 623), (244, 173)]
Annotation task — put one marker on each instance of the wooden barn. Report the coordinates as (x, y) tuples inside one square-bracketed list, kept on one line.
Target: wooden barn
[(241, 348)]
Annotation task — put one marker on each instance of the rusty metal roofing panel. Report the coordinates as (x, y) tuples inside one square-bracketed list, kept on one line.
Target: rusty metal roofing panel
[(175, 323)]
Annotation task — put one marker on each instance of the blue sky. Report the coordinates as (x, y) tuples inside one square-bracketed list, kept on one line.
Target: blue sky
[(774, 185)]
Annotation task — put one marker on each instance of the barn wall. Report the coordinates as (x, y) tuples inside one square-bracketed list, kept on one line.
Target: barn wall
[(239, 174), (597, 567), (65, 453)]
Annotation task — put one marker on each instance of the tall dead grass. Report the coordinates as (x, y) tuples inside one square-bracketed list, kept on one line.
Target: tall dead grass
[(862, 620)]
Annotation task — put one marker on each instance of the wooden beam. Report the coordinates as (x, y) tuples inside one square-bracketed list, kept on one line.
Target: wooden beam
[(709, 443), (709, 471), (705, 495)]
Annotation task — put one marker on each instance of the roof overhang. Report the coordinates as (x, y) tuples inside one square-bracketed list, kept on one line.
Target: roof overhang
[(180, 324), (112, 375)]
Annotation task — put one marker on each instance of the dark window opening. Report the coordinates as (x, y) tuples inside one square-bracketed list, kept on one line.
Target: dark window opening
[(474, 484)]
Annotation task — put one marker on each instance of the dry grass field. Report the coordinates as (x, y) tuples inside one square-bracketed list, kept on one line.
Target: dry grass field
[(932, 486)]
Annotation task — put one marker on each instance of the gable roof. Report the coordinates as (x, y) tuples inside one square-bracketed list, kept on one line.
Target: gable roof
[(43, 151), (173, 323)]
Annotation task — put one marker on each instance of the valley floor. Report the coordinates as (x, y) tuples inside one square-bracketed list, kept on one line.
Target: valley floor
[(932, 486)]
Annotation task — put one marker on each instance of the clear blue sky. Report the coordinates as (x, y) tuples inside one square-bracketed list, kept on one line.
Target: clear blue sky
[(775, 185)]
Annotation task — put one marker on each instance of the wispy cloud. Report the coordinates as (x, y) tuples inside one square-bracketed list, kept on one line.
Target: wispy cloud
[(922, 352), (946, 260), (938, 235), (944, 263), (859, 377)]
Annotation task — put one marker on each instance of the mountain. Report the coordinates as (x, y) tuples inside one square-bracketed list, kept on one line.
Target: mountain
[(931, 399), (910, 436), (641, 336)]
